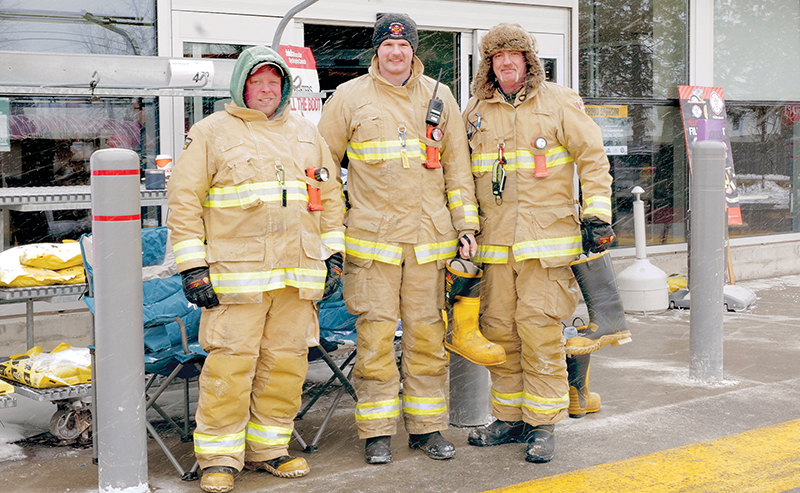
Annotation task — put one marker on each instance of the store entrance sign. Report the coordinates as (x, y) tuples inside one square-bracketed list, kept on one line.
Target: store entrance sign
[(306, 98)]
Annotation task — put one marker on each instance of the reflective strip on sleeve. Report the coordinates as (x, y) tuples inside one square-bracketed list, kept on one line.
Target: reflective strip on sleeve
[(371, 250), (253, 282), (378, 410), (429, 252), (268, 435), (424, 406), (510, 400), (549, 248), (543, 405), (597, 205), (334, 240), (385, 150), (219, 444), (471, 214), (249, 193), (491, 254), (454, 199), (189, 250)]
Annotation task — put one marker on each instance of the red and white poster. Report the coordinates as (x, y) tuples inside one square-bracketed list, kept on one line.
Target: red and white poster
[(306, 98), (704, 115)]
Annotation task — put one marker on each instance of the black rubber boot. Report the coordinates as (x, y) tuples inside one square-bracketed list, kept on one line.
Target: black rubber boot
[(595, 276), (581, 401), (433, 444), (378, 450), (497, 433), (541, 444)]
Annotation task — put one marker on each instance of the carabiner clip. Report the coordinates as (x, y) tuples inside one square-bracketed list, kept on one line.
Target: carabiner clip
[(280, 173)]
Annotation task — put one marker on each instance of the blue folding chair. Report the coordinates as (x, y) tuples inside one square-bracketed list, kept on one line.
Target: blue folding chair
[(171, 325)]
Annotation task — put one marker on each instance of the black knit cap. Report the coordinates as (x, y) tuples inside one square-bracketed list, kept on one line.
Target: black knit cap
[(395, 26)]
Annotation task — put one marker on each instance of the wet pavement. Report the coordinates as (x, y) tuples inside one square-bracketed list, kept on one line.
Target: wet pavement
[(650, 403)]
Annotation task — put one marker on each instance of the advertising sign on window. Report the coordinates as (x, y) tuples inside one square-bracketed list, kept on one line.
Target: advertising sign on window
[(306, 98), (5, 143), (704, 115)]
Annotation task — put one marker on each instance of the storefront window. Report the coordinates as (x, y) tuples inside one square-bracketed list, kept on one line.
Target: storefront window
[(79, 26), (51, 140), (632, 49)]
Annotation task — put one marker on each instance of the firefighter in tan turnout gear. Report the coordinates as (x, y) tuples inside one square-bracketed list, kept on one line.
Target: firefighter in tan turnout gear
[(412, 206), (255, 254), (527, 138)]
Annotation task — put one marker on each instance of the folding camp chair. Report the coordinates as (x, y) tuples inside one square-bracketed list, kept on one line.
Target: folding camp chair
[(171, 326)]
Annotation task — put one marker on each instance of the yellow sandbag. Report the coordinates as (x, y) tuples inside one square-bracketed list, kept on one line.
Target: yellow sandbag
[(15, 275), (676, 282), (6, 388), (61, 367), (53, 256)]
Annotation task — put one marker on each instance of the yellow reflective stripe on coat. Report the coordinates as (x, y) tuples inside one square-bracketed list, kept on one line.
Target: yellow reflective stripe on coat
[(429, 252), (424, 406), (378, 409), (597, 205), (383, 149), (454, 199), (219, 444), (268, 435), (545, 405), (510, 400), (333, 240), (189, 250), (253, 282), (248, 193), (491, 254), (548, 248), (520, 159), (372, 250), (470, 211)]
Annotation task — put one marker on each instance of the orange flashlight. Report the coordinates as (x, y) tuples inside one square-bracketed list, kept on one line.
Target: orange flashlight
[(314, 194)]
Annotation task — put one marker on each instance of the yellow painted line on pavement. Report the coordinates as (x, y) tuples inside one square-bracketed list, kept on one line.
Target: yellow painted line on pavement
[(766, 460)]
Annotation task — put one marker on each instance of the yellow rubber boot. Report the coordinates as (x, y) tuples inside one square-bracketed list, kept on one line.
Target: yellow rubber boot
[(465, 338), (217, 479), (581, 401)]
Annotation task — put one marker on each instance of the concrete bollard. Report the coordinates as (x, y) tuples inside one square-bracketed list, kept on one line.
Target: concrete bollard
[(707, 259), (469, 393), (119, 336)]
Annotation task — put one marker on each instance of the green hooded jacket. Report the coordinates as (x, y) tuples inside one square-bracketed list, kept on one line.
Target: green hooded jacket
[(244, 65)]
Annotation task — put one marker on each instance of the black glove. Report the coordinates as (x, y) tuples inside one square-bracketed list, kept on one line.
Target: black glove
[(197, 287), (334, 277), (597, 235)]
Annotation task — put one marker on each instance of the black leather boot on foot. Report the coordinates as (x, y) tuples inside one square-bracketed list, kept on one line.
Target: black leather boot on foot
[(497, 433), (433, 444), (378, 450), (541, 444)]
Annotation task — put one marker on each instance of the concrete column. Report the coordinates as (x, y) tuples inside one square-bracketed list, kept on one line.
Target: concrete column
[(707, 259), (469, 393), (119, 337)]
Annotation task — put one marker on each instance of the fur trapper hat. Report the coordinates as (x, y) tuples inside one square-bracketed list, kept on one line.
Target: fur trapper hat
[(508, 37)]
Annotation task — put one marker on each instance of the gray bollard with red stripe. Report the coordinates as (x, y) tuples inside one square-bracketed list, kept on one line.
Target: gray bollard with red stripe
[(119, 338)]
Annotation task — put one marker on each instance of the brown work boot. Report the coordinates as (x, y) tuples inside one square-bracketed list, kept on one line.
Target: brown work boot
[(285, 466), (217, 479)]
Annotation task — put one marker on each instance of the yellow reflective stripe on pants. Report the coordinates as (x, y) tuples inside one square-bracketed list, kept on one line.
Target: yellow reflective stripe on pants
[(189, 250), (543, 405), (384, 150), (268, 435), (435, 251), (219, 445), (511, 400), (491, 254), (253, 282), (242, 195), (424, 406), (378, 410), (371, 250), (549, 248)]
